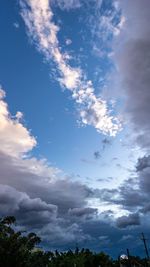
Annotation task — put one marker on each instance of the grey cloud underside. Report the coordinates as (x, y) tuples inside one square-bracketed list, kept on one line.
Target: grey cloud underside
[(81, 211), (43, 206), (63, 193), (132, 219), (29, 211)]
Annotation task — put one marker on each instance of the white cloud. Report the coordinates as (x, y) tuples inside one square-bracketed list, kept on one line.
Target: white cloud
[(15, 139), (68, 42), (92, 110), (2, 93), (121, 23), (107, 25), (16, 25)]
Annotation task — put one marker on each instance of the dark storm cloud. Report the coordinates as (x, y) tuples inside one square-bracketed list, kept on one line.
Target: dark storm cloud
[(143, 174), (55, 209), (130, 220), (131, 198), (144, 177), (133, 63), (40, 202), (61, 192), (32, 212)]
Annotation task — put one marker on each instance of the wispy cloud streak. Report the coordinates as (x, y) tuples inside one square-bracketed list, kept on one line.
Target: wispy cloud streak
[(93, 110)]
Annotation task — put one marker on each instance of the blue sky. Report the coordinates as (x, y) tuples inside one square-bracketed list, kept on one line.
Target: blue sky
[(74, 120)]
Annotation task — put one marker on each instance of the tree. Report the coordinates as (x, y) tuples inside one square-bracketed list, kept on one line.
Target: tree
[(16, 251), (16, 248)]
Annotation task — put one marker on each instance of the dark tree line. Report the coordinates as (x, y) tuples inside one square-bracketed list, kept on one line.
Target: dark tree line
[(16, 251)]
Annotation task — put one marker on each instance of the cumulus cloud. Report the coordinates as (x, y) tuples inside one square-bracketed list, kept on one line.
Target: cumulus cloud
[(31, 211), (93, 110), (43, 183), (15, 139)]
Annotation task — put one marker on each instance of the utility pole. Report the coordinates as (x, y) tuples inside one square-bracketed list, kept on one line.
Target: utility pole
[(146, 250), (129, 259)]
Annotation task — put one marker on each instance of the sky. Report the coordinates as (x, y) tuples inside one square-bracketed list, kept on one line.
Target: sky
[(74, 121)]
